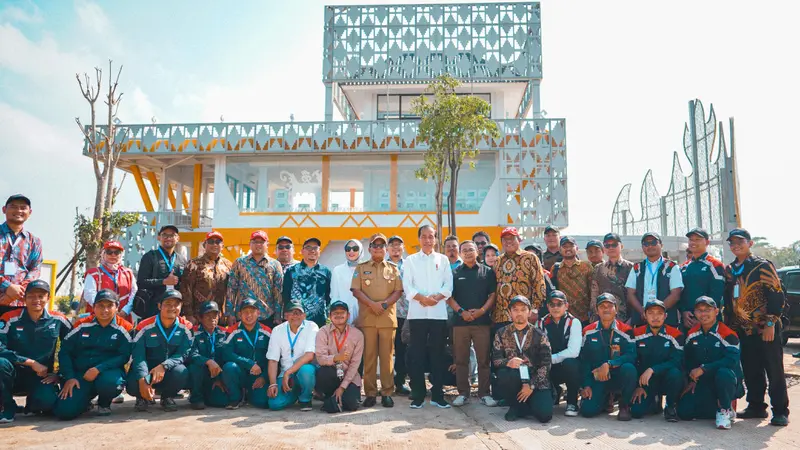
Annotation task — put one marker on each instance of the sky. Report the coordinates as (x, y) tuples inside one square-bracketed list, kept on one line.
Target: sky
[(620, 72)]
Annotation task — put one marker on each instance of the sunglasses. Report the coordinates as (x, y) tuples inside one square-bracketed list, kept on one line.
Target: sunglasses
[(353, 248), (611, 245), (214, 242), (311, 248), (556, 304), (480, 243), (113, 252), (377, 245), (285, 247), (650, 243), (169, 236), (736, 242)]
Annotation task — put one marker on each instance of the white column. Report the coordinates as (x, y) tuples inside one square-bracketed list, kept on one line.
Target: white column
[(204, 195), (179, 198), (262, 193)]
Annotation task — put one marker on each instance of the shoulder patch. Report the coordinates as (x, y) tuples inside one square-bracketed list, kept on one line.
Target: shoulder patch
[(87, 319), (639, 331), (124, 324), (624, 327), (672, 331), (145, 322), (714, 261), (725, 331), (696, 328), (265, 329), (589, 327)]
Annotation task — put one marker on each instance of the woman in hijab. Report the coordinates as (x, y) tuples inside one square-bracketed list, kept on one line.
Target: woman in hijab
[(342, 277), (490, 254)]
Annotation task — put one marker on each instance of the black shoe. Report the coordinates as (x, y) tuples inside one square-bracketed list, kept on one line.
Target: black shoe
[(198, 406), (624, 413), (369, 402), (779, 421), (752, 413), (417, 404), (557, 395), (168, 404), (141, 405), (671, 414), (386, 401), (305, 406), (402, 390), (511, 415)]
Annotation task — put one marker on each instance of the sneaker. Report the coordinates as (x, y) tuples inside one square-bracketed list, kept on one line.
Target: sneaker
[(103, 411), (511, 415), (417, 404), (305, 406), (779, 420), (179, 395), (460, 400), (232, 406), (489, 401), (118, 399), (752, 413), (168, 404), (402, 390), (198, 406), (572, 411), (387, 401), (440, 403), (141, 405), (624, 413), (6, 420), (723, 419), (671, 414), (369, 402)]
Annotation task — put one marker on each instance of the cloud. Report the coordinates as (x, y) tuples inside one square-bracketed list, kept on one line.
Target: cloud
[(92, 17), (136, 107), (17, 14)]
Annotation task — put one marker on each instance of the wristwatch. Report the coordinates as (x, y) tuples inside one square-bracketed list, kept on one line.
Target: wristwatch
[(460, 310), (770, 323), (385, 306)]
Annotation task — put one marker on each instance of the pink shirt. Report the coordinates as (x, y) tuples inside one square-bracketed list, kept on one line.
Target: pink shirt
[(353, 344)]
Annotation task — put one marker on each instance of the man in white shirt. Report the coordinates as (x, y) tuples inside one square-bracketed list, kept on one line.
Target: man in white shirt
[(427, 283), (565, 333), (292, 375), (654, 278)]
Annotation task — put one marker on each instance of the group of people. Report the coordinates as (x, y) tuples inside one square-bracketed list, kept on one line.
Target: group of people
[(275, 332)]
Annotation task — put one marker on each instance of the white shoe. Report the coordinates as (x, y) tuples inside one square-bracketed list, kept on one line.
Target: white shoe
[(724, 419), (572, 411), (489, 401), (460, 400)]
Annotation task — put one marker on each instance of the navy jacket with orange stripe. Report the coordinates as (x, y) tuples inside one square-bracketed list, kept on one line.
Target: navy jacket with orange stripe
[(659, 352), (21, 338), (237, 347), (91, 345), (150, 346), (716, 349)]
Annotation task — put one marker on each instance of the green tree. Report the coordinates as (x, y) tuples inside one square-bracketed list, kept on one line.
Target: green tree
[(452, 126)]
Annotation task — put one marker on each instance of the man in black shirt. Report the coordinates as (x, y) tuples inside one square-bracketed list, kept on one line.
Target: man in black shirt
[(474, 286), (159, 269)]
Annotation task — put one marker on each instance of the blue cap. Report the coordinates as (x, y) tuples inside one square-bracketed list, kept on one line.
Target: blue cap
[(605, 298), (519, 299), (739, 232), (38, 284), (292, 305), (612, 237), (248, 303), (168, 294), (698, 231), (106, 295), (550, 228), (655, 302), (651, 234), (705, 300), (594, 243), (208, 307), (18, 197), (556, 294), (567, 240), (338, 304)]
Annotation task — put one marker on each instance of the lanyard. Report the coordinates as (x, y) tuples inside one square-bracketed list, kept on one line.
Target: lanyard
[(164, 333), (247, 336), (212, 337), (114, 278), (737, 272), (524, 338), (338, 344), (12, 240), (654, 273), (292, 342), (170, 262)]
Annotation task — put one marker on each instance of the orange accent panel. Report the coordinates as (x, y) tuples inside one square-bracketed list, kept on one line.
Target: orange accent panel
[(171, 194), (352, 197), (185, 201), (154, 183)]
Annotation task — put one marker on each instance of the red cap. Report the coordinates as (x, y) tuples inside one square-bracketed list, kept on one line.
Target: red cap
[(509, 231), (259, 234), (214, 234), (113, 244)]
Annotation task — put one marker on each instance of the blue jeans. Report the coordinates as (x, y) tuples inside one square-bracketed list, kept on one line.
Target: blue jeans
[(304, 381)]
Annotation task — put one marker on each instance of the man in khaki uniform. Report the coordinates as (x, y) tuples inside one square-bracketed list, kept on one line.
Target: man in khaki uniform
[(377, 287)]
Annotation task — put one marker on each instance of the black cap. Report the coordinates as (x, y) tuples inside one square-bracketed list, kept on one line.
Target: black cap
[(312, 239), (208, 307), (605, 298), (698, 231), (739, 232), (651, 234), (550, 228), (519, 299), (338, 304), (567, 240), (594, 243), (248, 303), (293, 304), (106, 295), (284, 239), (18, 197), (169, 227), (168, 294), (655, 302), (38, 284), (705, 300), (395, 238), (612, 237), (556, 294)]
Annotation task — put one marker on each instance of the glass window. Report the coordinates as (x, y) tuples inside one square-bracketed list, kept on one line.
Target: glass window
[(388, 106), (292, 184), (401, 106), (792, 282), (367, 176)]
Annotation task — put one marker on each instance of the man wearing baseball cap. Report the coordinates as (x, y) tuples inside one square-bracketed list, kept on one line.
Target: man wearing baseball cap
[(90, 366), (245, 355), (159, 270), (256, 276), (309, 282), (611, 276), (111, 274), (552, 252), (284, 251), (28, 339), (754, 302), (207, 359), (394, 253), (564, 331), (338, 349), (20, 253), (702, 275), (573, 277), (654, 278), (594, 252), (206, 278), (712, 361)]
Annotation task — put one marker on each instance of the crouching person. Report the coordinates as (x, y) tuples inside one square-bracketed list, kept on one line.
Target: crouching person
[(207, 388), (563, 331), (92, 359), (521, 351), (292, 375), (339, 349), (161, 347), (245, 357)]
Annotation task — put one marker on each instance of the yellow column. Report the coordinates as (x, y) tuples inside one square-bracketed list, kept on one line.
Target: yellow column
[(185, 201), (137, 175), (172, 200), (154, 182), (196, 192), (393, 184), (352, 198), (326, 181)]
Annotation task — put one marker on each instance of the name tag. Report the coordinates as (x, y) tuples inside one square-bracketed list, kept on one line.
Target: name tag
[(523, 373), (736, 291), (20, 329), (10, 268)]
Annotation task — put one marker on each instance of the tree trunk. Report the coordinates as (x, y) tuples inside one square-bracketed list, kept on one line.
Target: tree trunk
[(451, 212), (438, 196), (73, 273)]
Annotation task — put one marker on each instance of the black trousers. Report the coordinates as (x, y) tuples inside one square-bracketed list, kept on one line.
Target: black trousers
[(400, 370), (539, 404), (568, 372), (327, 383), (762, 361), (428, 338), (493, 377)]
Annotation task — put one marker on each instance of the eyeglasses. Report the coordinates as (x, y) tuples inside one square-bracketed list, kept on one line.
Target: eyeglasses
[(377, 245), (214, 242), (556, 304), (611, 245), (258, 242), (468, 250), (353, 248), (650, 243), (736, 242), (285, 247), (481, 243), (311, 248), (169, 236), (113, 252)]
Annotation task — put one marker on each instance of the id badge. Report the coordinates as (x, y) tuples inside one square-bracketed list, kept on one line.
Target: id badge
[(523, 373), (651, 295), (10, 268), (736, 291), (339, 371)]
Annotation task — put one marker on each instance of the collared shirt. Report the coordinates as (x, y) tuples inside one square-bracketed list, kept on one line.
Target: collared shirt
[(23, 249), (326, 349), (568, 331), (90, 344), (378, 281), (535, 352), (754, 293), (455, 265), (205, 279), (427, 275), (550, 258), (247, 348), (123, 283), (704, 275), (21, 338), (402, 304), (613, 345), (611, 277), (472, 287), (310, 285), (651, 271), (575, 282), (517, 274), (660, 351), (714, 349), (341, 278), (280, 349), (151, 347), (285, 266), (260, 280)]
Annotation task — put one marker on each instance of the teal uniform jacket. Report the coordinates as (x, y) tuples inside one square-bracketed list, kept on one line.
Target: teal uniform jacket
[(21, 338), (659, 352), (91, 345), (717, 349), (704, 275), (237, 348), (150, 346), (205, 348), (614, 346)]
